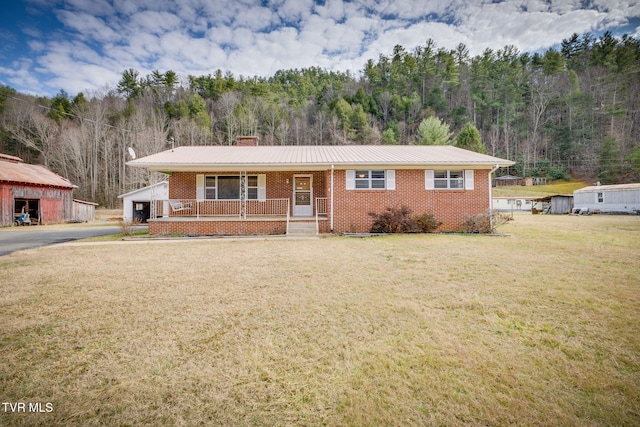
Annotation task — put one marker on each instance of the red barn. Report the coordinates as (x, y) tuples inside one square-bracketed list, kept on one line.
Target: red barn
[(33, 189)]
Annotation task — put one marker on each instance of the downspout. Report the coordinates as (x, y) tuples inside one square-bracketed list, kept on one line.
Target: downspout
[(491, 197), (332, 168)]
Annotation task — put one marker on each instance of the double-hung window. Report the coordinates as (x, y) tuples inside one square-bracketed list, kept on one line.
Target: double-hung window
[(378, 179), (252, 187), (449, 179), (370, 179), (229, 187)]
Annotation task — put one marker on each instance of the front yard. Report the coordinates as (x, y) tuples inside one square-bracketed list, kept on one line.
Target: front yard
[(536, 328)]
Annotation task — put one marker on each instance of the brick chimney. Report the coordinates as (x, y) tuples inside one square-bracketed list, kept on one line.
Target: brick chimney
[(247, 141)]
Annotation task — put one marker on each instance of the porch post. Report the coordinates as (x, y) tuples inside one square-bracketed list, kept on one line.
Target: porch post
[(243, 194)]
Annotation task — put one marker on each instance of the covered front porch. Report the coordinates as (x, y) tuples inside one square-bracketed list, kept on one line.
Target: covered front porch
[(234, 217)]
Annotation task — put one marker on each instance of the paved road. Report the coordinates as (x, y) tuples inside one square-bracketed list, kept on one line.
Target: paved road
[(27, 238)]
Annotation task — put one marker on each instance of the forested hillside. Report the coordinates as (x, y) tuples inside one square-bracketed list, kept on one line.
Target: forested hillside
[(569, 111)]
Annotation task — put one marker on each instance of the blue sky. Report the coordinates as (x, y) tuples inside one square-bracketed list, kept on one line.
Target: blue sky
[(85, 45)]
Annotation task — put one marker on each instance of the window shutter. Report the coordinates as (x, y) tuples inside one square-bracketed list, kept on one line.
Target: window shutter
[(468, 179), (351, 179), (391, 179), (429, 183), (200, 187), (262, 187)]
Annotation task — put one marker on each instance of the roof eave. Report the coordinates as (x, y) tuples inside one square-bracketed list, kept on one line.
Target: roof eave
[(189, 167)]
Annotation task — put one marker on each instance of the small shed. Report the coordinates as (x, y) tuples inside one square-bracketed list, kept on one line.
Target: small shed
[(84, 211), (24, 188), (559, 204), (620, 198), (137, 204), (508, 180)]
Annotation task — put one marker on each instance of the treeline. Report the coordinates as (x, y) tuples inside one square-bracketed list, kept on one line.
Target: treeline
[(572, 110)]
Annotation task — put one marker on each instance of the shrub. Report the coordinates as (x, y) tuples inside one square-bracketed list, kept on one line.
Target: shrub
[(485, 223), (400, 220), (393, 220), (126, 227), (427, 223)]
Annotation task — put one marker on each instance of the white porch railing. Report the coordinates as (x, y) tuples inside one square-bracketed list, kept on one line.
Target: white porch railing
[(231, 208), (321, 209)]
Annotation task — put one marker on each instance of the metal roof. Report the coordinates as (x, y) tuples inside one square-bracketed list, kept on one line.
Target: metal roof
[(609, 188), (310, 157), (16, 171), (148, 187)]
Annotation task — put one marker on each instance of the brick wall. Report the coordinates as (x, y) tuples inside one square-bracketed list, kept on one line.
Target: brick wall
[(203, 227), (451, 207), (352, 207), (182, 185)]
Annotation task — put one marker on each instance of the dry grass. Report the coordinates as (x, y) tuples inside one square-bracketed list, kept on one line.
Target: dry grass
[(539, 328)]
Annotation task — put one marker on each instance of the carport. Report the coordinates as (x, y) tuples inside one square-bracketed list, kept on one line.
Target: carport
[(136, 204)]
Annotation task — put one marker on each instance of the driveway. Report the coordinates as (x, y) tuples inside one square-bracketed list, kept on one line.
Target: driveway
[(20, 238)]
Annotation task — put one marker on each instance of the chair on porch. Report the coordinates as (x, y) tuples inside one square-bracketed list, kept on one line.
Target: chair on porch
[(177, 205)]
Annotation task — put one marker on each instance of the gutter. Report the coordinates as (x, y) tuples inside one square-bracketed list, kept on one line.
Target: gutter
[(331, 216), (495, 168)]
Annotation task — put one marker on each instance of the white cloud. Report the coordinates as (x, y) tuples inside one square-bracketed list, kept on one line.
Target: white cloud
[(20, 74), (99, 39), (88, 27), (155, 22), (332, 9), (86, 78), (411, 9), (257, 19), (293, 10), (93, 7)]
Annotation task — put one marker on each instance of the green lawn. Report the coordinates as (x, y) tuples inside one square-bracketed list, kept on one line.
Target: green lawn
[(539, 327), (551, 189)]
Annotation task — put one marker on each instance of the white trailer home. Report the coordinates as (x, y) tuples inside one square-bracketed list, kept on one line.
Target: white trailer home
[(519, 204), (621, 198)]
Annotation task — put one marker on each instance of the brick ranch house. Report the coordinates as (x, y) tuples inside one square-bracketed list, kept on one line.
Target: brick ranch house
[(234, 190)]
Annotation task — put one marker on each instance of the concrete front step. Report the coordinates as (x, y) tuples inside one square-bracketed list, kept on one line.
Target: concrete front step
[(301, 229)]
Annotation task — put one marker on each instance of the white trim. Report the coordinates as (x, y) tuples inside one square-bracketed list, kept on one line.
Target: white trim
[(332, 170), (431, 181), (261, 186), (303, 210), (369, 180), (490, 183)]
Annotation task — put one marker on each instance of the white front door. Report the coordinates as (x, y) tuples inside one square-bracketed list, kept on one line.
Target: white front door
[(302, 195)]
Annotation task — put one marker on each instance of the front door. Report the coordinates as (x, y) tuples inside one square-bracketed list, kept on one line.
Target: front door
[(302, 195)]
